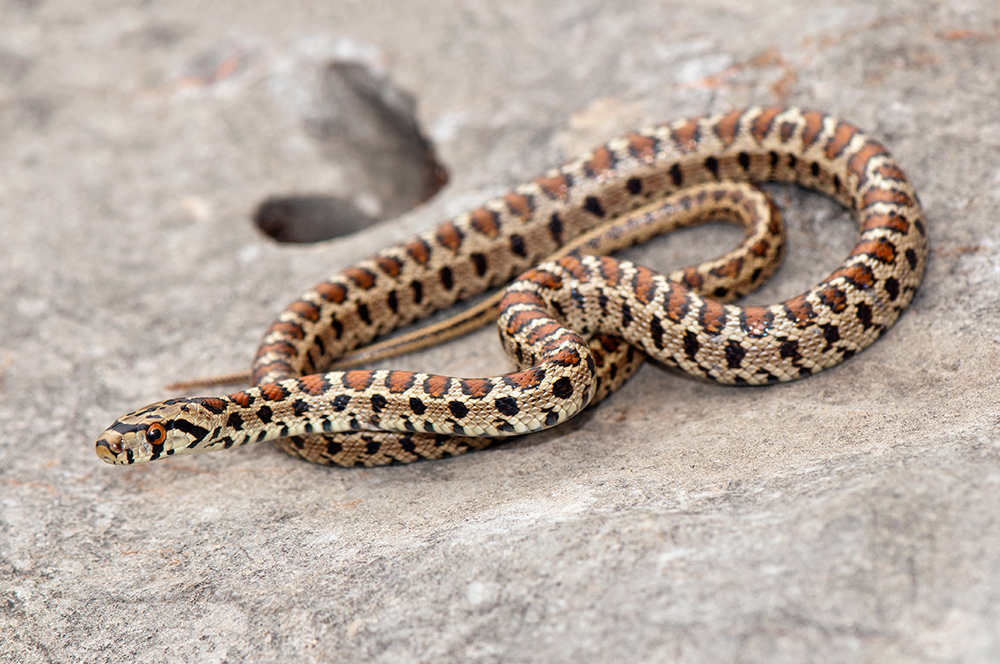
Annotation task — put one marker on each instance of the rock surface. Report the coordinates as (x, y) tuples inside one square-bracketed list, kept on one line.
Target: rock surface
[(850, 517)]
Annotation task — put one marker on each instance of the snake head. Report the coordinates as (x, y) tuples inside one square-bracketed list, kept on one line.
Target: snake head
[(166, 428)]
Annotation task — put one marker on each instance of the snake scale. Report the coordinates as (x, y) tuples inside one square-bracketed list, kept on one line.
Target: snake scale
[(364, 417)]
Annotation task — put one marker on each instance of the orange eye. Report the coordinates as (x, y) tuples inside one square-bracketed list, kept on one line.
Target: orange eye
[(155, 434)]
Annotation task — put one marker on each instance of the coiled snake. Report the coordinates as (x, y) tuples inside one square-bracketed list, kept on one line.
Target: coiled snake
[(546, 314)]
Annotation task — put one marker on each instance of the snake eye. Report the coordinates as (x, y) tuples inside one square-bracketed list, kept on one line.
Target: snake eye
[(155, 433)]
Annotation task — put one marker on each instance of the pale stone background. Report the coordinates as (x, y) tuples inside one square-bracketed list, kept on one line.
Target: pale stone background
[(850, 517)]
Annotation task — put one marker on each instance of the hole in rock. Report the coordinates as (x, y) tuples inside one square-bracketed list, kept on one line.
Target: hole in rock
[(365, 126)]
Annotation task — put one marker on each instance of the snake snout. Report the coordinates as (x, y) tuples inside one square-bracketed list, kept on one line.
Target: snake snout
[(109, 447)]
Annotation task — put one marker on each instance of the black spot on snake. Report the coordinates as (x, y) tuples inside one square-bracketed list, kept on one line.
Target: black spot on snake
[(790, 350), (656, 333), (734, 354), (712, 165), (593, 205), (556, 227), (676, 175), (264, 414), (691, 344), (864, 314), (562, 388), (507, 406), (447, 278), (891, 286), (479, 261), (517, 246), (458, 409), (364, 314)]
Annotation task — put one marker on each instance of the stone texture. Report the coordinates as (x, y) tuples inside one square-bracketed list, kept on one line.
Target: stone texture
[(848, 517)]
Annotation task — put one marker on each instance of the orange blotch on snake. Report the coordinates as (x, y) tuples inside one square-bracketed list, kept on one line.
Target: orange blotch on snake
[(358, 379), (331, 292), (712, 316), (476, 387), (842, 137), (449, 236), (556, 187), (314, 384), (306, 310), (361, 277), (398, 382), (600, 162), (882, 250), (273, 392), (756, 321), (728, 127), (437, 386), (814, 127), (642, 147), (520, 206)]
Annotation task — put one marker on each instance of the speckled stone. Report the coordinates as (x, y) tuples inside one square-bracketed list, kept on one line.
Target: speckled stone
[(849, 517)]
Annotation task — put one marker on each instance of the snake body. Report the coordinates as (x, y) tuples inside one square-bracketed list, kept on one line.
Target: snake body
[(546, 314)]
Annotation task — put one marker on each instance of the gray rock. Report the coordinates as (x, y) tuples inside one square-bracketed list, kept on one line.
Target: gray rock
[(848, 517)]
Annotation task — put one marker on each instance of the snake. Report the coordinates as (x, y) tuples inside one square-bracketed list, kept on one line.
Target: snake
[(577, 326)]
